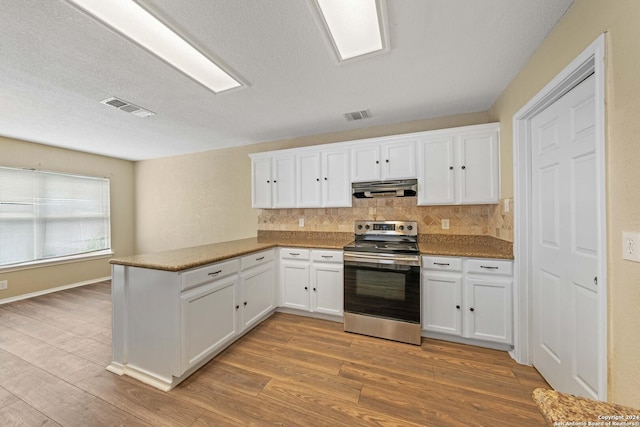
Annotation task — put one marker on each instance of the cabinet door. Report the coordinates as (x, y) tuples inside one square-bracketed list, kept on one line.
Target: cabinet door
[(208, 317), (436, 177), (261, 184), (309, 194), (294, 279), (327, 289), (336, 186), (365, 163), (284, 182), (399, 160), (257, 294), (479, 168), (488, 309), (442, 303)]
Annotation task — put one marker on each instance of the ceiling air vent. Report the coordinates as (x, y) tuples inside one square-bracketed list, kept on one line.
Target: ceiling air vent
[(357, 115), (127, 107)]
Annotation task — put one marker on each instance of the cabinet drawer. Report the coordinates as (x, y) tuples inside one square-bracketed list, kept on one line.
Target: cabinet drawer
[(326, 256), (489, 266), (256, 259), (441, 263), (211, 272), (294, 253)]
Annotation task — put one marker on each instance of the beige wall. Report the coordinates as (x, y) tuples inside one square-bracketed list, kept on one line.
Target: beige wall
[(21, 154), (583, 23), (205, 197)]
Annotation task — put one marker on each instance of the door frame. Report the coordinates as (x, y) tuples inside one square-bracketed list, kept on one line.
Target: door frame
[(590, 61)]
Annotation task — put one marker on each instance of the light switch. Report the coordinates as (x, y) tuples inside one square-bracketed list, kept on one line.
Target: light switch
[(301, 222)]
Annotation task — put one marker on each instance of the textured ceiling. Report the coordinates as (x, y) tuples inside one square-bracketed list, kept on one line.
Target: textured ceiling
[(447, 57)]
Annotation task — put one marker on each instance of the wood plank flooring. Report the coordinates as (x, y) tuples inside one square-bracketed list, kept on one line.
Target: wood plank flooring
[(288, 371)]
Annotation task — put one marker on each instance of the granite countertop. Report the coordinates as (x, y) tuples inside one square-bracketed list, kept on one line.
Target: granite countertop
[(561, 409), (465, 246), (196, 256), (186, 258)]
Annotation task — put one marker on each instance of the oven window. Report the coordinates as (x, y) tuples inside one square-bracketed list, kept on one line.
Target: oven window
[(376, 284), (389, 291)]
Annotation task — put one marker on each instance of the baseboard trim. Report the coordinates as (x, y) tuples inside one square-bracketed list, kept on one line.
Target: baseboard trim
[(312, 314), (468, 341), (51, 290)]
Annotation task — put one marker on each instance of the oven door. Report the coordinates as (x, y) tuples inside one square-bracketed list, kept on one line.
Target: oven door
[(382, 287)]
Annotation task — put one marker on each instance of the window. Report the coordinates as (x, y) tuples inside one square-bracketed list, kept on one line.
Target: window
[(46, 215)]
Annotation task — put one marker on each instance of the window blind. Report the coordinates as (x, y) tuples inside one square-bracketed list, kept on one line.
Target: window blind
[(47, 215)]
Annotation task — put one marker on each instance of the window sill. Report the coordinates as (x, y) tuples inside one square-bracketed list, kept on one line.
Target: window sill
[(108, 253)]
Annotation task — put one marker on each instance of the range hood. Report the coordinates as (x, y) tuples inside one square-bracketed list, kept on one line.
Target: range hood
[(371, 189)]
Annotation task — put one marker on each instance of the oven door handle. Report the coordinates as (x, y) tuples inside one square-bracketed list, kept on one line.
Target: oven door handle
[(380, 259)]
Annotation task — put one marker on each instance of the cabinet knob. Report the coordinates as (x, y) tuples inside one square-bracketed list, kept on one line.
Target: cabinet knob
[(306, 289), (237, 307), (450, 168), (325, 178), (377, 162), (274, 181), (464, 167), (268, 182), (458, 307), (318, 179), (472, 309), (387, 161), (245, 303), (314, 289)]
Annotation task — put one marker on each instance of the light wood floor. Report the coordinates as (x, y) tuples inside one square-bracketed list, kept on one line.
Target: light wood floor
[(289, 370)]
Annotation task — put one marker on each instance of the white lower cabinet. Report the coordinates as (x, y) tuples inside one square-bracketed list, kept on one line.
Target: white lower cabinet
[(442, 303), (256, 295), (468, 297), (488, 301), (312, 280), (327, 282), (167, 324), (208, 319)]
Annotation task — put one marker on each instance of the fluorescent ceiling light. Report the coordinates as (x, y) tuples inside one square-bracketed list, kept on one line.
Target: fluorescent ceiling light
[(356, 27), (131, 20)]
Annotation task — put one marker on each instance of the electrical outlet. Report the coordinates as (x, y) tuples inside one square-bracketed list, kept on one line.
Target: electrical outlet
[(301, 222), (445, 224), (4, 284), (506, 205), (631, 246)]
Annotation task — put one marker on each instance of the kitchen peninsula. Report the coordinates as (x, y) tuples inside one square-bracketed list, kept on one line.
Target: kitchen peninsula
[(175, 310)]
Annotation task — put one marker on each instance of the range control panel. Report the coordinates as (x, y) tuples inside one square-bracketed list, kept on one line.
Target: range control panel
[(394, 228)]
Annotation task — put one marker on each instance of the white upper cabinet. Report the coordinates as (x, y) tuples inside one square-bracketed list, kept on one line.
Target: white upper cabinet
[(273, 182), (436, 179), (323, 179), (479, 164), (336, 187), (453, 166), (309, 191), (384, 160), (284, 181), (459, 166), (261, 183)]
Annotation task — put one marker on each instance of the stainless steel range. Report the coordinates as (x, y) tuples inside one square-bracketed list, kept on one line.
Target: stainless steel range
[(382, 281)]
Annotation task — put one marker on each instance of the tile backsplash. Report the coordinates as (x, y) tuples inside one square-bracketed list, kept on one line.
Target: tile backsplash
[(482, 220)]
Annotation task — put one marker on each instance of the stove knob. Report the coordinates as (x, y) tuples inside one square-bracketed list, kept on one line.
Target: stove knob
[(409, 227), (401, 227), (360, 227), (367, 226)]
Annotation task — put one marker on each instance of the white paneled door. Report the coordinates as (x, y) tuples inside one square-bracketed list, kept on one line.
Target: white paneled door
[(565, 242)]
